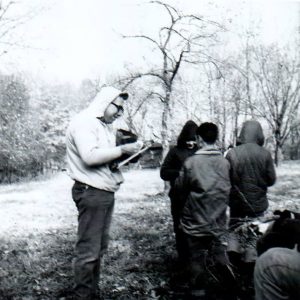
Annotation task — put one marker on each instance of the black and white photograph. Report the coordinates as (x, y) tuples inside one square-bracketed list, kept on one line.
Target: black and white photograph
[(149, 149)]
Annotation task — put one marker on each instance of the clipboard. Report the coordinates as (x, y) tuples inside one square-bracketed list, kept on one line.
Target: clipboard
[(145, 148)]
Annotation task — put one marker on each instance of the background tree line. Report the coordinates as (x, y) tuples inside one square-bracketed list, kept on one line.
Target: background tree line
[(194, 73), (33, 121), (198, 75)]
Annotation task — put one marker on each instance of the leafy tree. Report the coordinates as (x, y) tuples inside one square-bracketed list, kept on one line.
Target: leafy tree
[(18, 138), (54, 105)]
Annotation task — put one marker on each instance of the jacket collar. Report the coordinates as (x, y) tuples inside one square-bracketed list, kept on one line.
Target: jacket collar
[(209, 151)]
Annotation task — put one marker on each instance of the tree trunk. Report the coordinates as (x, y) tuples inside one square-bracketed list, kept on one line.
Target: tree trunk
[(164, 133), (277, 147), (164, 127)]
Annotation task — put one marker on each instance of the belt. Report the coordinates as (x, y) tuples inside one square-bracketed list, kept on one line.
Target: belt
[(82, 184)]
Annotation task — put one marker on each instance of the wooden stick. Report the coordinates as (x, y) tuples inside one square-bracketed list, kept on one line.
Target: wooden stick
[(133, 156)]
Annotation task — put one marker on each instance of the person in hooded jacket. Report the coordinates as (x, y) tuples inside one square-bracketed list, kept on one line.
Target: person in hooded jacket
[(251, 171), (91, 147), (173, 162)]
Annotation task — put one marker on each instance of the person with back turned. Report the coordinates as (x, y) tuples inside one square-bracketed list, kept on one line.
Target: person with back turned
[(252, 172), (204, 180)]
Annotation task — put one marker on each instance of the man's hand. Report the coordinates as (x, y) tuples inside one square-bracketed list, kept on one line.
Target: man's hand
[(131, 148)]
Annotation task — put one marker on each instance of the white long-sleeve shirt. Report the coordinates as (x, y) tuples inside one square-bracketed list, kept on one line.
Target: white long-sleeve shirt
[(91, 145)]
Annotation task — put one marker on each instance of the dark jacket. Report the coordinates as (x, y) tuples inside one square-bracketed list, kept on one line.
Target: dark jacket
[(205, 181), (173, 163), (252, 171), (177, 155)]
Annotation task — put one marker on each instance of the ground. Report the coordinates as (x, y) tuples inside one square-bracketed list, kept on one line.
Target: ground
[(38, 232)]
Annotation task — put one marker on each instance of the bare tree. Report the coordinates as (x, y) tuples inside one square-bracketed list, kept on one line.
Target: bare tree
[(227, 98), (12, 16), (185, 39), (278, 80)]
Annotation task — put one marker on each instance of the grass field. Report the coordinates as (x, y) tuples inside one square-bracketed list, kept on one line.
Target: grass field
[(38, 232)]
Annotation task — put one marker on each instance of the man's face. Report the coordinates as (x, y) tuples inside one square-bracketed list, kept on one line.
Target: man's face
[(114, 110)]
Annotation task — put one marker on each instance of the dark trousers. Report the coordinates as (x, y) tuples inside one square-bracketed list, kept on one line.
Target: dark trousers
[(198, 248), (180, 237), (95, 208), (201, 250)]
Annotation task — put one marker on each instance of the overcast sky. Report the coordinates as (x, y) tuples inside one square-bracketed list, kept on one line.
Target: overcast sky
[(70, 40)]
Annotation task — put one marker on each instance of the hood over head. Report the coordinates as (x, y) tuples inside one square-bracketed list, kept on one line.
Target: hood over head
[(188, 133), (251, 133), (106, 95)]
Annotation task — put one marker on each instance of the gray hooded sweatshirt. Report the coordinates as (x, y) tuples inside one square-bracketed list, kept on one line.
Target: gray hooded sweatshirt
[(91, 145)]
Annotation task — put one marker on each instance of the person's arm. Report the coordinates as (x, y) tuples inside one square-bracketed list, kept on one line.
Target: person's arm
[(271, 173), (169, 170), (182, 181), (92, 154), (231, 157)]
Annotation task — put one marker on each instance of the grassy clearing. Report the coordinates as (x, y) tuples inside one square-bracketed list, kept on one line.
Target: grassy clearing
[(285, 194), (38, 232), (38, 266)]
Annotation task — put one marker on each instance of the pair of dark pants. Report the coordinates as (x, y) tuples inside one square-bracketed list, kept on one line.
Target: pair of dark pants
[(200, 250), (95, 208), (181, 244)]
